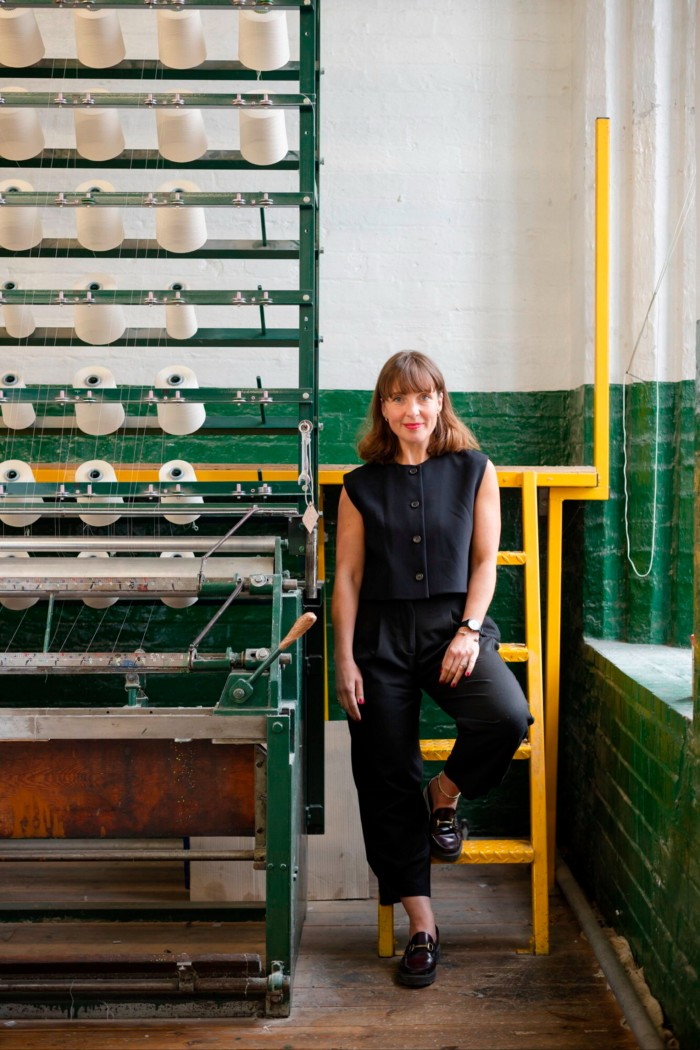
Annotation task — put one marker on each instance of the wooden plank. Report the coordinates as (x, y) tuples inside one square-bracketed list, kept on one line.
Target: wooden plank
[(107, 788), (526, 1033)]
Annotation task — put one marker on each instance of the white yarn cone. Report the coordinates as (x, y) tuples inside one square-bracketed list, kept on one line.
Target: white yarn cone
[(19, 319), (263, 40), (21, 415), (98, 38), (16, 603), (20, 228), (180, 39), (181, 134), (20, 39), (263, 136), (98, 470), (98, 325), (180, 318), (98, 132), (178, 603), (182, 418), (99, 229), (179, 228), (174, 471), (98, 603), (17, 470), (104, 417), (21, 136)]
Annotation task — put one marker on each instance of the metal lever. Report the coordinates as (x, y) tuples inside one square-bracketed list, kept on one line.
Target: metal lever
[(242, 689)]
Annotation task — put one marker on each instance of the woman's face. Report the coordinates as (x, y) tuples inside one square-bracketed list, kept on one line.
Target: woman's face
[(412, 417)]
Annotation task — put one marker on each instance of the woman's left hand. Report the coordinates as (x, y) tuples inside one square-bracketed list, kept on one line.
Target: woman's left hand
[(460, 656)]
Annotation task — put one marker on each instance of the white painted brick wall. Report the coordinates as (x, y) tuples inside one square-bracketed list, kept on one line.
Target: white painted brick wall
[(456, 196), (446, 190)]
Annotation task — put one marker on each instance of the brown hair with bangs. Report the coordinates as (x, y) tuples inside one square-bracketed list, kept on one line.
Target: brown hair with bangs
[(409, 372)]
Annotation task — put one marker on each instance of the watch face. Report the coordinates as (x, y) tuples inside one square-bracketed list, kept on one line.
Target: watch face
[(474, 625)]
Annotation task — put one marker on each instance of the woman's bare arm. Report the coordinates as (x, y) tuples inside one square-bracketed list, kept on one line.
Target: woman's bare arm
[(349, 566), (462, 652)]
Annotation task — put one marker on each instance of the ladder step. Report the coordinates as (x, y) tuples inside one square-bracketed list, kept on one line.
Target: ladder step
[(511, 558), (440, 750), (513, 652), (494, 851)]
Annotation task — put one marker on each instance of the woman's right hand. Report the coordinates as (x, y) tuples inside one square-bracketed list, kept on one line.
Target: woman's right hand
[(349, 688)]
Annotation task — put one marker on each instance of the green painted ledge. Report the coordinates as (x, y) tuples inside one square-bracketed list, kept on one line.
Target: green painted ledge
[(662, 670)]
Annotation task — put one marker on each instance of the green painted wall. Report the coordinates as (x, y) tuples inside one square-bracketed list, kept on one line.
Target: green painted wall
[(629, 777), (617, 603)]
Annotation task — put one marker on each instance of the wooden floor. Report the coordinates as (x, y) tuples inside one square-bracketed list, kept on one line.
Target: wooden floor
[(490, 992)]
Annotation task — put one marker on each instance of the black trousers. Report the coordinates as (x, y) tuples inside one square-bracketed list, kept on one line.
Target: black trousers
[(399, 646)]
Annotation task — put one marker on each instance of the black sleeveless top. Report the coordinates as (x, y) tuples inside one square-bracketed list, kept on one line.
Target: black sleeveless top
[(418, 524)]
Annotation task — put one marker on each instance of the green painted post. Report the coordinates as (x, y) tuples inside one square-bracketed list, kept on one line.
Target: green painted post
[(282, 871)]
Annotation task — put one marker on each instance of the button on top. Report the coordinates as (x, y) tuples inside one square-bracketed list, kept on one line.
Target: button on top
[(417, 539), (415, 503), (419, 576), (413, 470)]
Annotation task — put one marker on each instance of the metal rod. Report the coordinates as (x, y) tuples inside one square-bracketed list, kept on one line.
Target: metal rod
[(258, 380), (154, 296), (80, 663), (231, 531), (263, 228), (133, 510), (75, 986), (49, 619), (204, 5), (601, 385), (45, 856), (636, 1015), (160, 100), (135, 544), (219, 612)]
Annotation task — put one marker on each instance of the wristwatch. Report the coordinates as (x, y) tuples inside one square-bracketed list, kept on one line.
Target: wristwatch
[(472, 624)]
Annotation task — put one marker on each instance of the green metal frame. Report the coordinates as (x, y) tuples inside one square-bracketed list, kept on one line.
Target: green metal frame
[(291, 700)]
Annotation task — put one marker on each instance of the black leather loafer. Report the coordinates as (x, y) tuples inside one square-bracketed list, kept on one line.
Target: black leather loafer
[(418, 967), (445, 835), (444, 831)]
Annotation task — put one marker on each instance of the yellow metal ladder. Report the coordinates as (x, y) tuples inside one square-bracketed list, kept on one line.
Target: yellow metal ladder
[(532, 851)]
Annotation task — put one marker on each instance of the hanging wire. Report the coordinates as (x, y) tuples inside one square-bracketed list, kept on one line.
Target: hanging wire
[(682, 219)]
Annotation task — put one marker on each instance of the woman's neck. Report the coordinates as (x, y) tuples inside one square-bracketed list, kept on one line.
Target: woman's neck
[(412, 457)]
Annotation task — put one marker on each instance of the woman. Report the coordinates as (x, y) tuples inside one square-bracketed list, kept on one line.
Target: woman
[(418, 534)]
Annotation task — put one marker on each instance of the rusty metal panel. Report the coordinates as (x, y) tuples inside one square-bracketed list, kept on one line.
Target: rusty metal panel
[(126, 789)]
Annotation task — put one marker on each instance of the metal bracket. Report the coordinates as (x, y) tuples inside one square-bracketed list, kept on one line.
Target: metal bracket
[(136, 695), (278, 989)]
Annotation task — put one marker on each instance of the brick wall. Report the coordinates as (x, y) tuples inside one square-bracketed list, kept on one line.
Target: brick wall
[(629, 822)]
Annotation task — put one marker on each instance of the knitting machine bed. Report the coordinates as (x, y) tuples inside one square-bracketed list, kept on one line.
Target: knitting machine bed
[(142, 786)]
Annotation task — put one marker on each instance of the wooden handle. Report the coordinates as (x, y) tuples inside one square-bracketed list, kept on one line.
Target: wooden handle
[(299, 627)]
